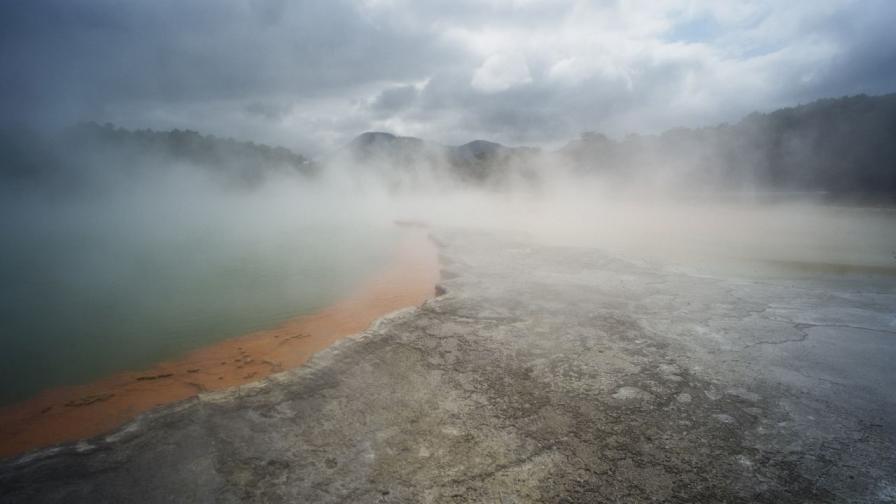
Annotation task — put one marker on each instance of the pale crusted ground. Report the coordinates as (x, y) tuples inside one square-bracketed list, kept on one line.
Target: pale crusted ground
[(542, 375)]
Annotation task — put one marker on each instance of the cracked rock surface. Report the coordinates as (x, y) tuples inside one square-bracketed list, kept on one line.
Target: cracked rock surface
[(543, 374)]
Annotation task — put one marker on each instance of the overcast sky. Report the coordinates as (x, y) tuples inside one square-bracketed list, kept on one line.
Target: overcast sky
[(313, 74)]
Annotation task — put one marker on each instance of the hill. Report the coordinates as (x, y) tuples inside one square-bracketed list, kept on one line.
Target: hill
[(844, 147), (408, 159), (86, 153)]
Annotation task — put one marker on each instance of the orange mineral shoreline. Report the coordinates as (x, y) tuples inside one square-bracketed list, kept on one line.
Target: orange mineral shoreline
[(71, 413)]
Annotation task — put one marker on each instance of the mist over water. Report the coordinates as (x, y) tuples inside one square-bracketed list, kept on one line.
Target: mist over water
[(124, 248), (119, 279), (759, 230), (772, 190), (119, 267)]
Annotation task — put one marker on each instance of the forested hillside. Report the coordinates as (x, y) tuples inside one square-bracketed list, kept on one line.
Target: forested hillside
[(86, 153), (844, 147)]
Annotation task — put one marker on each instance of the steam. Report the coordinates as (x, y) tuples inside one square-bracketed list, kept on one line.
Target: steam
[(639, 216), (116, 233), (663, 209)]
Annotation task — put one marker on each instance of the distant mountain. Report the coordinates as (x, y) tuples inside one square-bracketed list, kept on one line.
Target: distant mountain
[(373, 141), (844, 147), (376, 147), (481, 150), (90, 152), (478, 162), (482, 160)]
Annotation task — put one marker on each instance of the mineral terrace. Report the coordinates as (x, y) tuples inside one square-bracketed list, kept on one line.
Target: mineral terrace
[(541, 374)]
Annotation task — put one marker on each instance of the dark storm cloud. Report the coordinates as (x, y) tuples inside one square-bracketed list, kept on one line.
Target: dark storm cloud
[(68, 59), (312, 74), (867, 63)]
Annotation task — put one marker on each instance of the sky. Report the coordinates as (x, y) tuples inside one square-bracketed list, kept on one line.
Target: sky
[(311, 75)]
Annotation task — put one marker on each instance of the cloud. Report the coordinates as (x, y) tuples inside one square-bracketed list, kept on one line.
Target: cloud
[(500, 72), (269, 111), (395, 98), (313, 74)]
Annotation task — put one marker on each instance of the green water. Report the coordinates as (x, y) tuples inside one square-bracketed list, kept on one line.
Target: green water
[(85, 295)]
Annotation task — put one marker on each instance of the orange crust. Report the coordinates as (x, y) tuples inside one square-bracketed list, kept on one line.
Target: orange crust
[(70, 413)]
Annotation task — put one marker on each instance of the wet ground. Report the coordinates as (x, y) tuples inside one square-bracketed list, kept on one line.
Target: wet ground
[(542, 374)]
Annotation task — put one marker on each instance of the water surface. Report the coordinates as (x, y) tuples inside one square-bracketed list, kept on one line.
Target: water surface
[(89, 290)]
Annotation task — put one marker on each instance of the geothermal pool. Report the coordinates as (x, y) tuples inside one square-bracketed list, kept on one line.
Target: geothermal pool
[(82, 297)]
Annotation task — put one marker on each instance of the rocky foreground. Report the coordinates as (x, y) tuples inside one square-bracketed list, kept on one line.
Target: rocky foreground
[(540, 375)]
